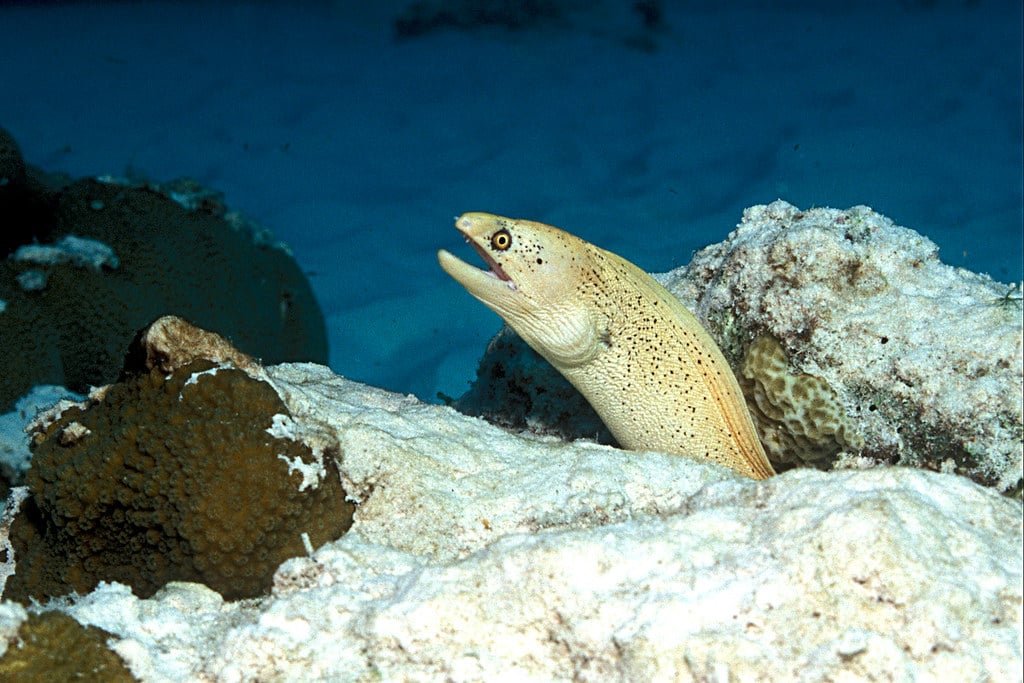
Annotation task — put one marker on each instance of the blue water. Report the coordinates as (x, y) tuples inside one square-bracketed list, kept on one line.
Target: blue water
[(358, 149)]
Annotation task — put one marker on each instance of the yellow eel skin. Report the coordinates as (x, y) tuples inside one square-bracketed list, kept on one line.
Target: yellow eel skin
[(642, 360)]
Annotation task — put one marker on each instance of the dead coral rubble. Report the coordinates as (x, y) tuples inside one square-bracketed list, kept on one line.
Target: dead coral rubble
[(925, 363), (483, 555)]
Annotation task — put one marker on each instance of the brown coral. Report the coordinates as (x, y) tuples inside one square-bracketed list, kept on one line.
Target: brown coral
[(178, 251), (798, 416), (52, 646), (196, 475)]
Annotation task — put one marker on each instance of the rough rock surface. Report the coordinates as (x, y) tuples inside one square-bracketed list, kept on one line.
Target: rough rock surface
[(636, 24), (926, 358), (476, 553)]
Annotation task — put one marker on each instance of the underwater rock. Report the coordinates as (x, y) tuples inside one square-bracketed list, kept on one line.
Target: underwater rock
[(633, 23), (405, 462), (424, 16), (517, 389), (92, 261), (170, 343), (186, 469), (624, 565), (925, 359), (893, 357), (813, 575)]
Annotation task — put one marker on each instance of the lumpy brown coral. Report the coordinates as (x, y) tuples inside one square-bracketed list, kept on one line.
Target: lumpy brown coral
[(798, 416), (169, 249), (195, 475), (52, 646)]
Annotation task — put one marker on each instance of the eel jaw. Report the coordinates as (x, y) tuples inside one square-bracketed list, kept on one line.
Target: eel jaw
[(496, 269), (486, 285)]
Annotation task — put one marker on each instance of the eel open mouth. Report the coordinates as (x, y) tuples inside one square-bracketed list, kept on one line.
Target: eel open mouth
[(486, 285), (495, 269), (491, 285)]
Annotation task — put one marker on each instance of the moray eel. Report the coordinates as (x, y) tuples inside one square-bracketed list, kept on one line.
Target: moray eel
[(643, 361)]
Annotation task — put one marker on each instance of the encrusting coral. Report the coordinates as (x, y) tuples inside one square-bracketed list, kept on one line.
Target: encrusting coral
[(51, 646), (798, 416), (187, 469)]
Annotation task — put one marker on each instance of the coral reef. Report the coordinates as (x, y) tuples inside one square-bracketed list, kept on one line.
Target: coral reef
[(925, 363), (187, 469), (632, 566), (799, 418), (912, 362), (628, 566), (92, 261), (51, 646)]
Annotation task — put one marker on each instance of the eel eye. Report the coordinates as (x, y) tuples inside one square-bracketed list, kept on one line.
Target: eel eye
[(501, 240)]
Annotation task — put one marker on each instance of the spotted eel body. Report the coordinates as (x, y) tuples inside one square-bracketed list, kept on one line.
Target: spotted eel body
[(642, 360)]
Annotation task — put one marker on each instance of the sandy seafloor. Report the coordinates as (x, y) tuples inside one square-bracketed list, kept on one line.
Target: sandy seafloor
[(357, 149)]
